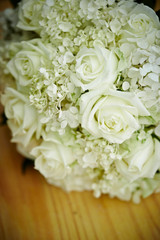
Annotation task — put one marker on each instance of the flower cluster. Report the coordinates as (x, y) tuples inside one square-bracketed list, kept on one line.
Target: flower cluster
[(82, 93)]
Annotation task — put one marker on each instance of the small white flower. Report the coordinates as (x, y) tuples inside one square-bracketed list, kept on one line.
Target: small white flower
[(51, 90), (125, 86), (50, 3), (68, 57), (115, 25), (89, 160), (65, 26), (70, 117)]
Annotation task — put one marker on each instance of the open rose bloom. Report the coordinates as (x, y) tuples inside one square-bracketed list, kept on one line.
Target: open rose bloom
[(81, 93)]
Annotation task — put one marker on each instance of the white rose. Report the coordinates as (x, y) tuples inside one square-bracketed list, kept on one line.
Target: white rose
[(113, 115), (77, 180), (26, 150), (23, 119), (95, 67), (141, 26), (29, 15), (28, 61), (141, 159), (53, 158)]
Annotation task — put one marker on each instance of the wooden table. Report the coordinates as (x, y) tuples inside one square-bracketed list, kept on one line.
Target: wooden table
[(31, 209)]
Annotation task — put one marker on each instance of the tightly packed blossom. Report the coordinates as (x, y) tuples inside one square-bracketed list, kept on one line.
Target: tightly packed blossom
[(80, 84)]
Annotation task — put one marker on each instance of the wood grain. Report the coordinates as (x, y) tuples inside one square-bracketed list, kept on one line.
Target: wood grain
[(31, 209)]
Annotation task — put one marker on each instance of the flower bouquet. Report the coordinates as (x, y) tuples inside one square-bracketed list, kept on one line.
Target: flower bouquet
[(81, 93)]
